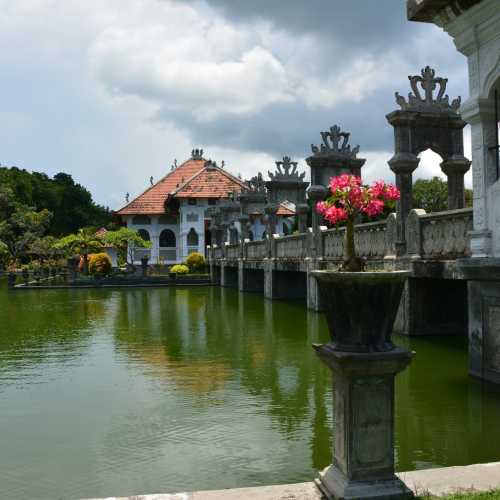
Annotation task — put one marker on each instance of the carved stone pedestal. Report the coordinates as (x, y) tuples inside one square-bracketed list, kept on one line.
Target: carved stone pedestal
[(363, 454)]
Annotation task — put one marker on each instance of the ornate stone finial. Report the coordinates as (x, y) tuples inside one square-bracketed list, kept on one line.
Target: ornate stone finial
[(197, 154), (211, 164), (127, 197), (257, 183), (151, 180), (428, 82), (332, 146), (222, 163), (286, 170)]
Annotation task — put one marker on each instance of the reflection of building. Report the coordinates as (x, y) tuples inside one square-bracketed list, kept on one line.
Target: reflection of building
[(171, 213)]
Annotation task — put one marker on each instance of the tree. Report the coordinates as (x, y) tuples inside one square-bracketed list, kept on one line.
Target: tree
[(20, 225), (83, 242), (432, 195), (71, 204), (125, 240)]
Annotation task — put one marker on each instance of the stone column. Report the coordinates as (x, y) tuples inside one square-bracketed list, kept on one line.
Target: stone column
[(480, 114), (155, 248), (455, 169), (271, 219), (403, 165), (301, 211), (363, 452)]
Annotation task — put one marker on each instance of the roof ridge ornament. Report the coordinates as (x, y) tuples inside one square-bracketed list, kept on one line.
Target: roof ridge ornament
[(332, 145), (428, 83), (257, 183), (286, 170), (197, 154)]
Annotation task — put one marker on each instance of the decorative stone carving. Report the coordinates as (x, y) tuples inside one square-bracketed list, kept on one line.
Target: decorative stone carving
[(428, 83), (197, 154), (257, 183), (332, 145), (286, 170)]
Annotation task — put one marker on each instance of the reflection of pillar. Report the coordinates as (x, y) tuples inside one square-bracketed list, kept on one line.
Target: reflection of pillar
[(301, 211), (403, 165), (455, 169)]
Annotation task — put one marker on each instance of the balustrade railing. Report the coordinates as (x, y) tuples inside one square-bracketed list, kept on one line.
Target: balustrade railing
[(440, 235), (168, 254), (292, 247), (256, 249), (142, 253)]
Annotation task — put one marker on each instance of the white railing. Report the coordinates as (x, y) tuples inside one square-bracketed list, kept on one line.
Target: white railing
[(168, 254), (142, 253), (256, 249), (232, 251), (292, 247)]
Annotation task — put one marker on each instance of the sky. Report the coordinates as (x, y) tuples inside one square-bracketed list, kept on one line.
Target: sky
[(113, 91)]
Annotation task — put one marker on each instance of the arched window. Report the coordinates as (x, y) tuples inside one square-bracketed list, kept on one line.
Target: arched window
[(250, 235), (285, 229), (141, 219), (144, 234), (167, 238), (264, 235), (192, 238)]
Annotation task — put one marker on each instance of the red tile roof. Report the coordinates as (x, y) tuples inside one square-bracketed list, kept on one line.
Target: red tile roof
[(192, 179), (285, 211)]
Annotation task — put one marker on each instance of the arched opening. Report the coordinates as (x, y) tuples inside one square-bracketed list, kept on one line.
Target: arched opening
[(144, 234), (141, 219), (286, 231), (430, 188), (250, 235), (192, 241), (168, 243), (264, 235), (167, 239)]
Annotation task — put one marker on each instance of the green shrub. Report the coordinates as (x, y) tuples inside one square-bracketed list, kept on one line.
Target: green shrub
[(195, 261), (179, 269), (99, 264)]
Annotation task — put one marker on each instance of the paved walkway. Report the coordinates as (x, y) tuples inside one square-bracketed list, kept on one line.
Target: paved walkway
[(479, 477)]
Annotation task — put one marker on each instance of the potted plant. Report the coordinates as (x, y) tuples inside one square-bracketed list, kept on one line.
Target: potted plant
[(360, 306)]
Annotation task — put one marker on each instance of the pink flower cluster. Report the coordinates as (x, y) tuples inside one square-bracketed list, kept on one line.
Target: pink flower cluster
[(349, 197)]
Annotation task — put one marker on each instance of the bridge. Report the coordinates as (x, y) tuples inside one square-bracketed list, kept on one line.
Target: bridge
[(435, 298)]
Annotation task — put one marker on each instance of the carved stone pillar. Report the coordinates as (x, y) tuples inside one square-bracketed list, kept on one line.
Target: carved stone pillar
[(455, 169), (403, 165)]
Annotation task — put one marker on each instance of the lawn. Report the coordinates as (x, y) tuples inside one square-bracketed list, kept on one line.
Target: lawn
[(487, 495)]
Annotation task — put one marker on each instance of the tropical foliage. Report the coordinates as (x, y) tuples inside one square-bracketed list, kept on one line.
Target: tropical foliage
[(179, 269), (432, 195), (70, 203), (124, 240), (99, 264), (195, 262)]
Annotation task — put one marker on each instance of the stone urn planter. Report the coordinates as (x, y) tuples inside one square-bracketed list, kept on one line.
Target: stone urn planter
[(360, 309)]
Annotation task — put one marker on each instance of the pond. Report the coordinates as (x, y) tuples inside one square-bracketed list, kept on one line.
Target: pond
[(121, 392)]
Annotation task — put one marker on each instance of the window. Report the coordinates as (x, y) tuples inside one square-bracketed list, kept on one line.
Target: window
[(167, 238), (212, 201), (141, 219), (250, 235), (192, 238), (144, 234), (285, 229), (191, 201), (167, 219)]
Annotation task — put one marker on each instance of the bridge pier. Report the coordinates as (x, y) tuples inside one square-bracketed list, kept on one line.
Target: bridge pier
[(250, 280), (215, 273), (432, 306), (228, 276), (313, 295), (280, 284)]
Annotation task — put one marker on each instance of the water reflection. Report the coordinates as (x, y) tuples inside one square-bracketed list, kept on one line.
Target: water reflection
[(129, 391)]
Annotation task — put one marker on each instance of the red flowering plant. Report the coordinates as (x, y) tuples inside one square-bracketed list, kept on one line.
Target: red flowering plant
[(348, 199)]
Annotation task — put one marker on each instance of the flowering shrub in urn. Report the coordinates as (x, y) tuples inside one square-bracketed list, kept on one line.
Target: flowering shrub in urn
[(348, 199)]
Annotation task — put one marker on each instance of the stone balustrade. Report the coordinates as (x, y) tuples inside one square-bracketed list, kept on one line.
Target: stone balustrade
[(440, 235), (255, 250), (292, 247)]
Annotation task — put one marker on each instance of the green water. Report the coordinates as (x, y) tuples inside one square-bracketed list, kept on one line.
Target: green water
[(121, 392)]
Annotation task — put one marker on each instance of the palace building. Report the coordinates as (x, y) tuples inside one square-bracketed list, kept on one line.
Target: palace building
[(174, 212)]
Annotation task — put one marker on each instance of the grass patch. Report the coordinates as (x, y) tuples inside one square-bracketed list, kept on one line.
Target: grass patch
[(485, 495)]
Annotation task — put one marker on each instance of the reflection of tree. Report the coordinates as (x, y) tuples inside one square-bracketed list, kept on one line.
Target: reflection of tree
[(202, 339), (35, 324)]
